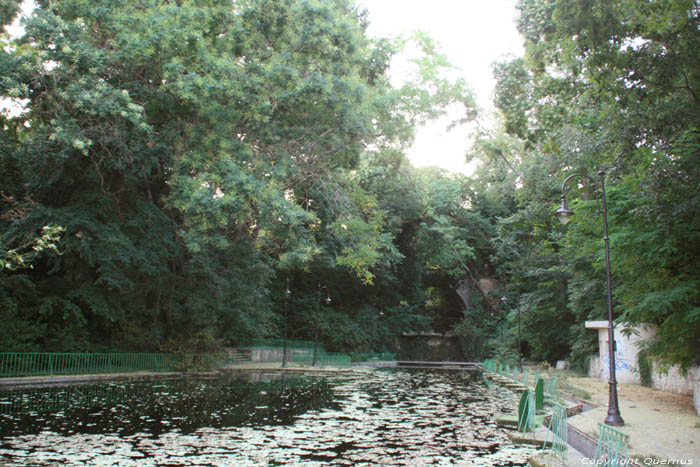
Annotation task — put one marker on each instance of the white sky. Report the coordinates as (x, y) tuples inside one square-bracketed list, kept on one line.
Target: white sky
[(472, 34)]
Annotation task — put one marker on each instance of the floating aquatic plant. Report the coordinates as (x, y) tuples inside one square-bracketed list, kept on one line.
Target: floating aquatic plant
[(387, 418)]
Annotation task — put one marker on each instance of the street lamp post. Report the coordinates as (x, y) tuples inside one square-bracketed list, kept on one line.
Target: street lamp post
[(564, 215), (287, 293), (504, 299), (318, 314)]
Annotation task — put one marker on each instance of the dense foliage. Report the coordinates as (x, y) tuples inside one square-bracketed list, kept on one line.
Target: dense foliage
[(170, 168), (194, 156), (607, 85)]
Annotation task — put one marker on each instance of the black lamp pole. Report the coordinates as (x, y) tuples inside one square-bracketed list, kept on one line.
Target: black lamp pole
[(520, 352), (504, 299), (564, 215), (287, 293), (318, 301)]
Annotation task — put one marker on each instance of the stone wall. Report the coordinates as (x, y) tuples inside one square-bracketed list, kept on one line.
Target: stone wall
[(432, 347), (672, 380)]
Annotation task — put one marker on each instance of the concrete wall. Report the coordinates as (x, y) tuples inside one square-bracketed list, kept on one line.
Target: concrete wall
[(274, 354), (594, 367)]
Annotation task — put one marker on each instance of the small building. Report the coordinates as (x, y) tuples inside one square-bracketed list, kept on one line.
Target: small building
[(626, 349)]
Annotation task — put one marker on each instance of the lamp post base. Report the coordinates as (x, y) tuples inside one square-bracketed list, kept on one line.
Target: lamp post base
[(614, 418)]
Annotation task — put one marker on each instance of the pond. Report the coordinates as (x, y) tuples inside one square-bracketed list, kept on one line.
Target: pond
[(398, 417)]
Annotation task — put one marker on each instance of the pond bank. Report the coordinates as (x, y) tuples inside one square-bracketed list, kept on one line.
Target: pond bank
[(59, 380), (253, 367)]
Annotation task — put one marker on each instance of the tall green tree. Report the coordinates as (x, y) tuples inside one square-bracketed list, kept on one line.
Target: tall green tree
[(193, 152), (610, 85)]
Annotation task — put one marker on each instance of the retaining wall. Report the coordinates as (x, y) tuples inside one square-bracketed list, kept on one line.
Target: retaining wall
[(671, 380), (274, 354)]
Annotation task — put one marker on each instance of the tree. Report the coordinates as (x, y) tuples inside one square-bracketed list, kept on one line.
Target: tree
[(610, 85), (194, 151)]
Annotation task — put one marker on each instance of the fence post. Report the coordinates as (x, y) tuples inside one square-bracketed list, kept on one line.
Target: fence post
[(526, 412), (539, 394)]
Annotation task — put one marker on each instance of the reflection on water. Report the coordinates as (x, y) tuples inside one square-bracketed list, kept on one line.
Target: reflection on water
[(373, 418)]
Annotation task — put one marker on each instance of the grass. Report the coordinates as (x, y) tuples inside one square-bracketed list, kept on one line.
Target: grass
[(580, 393), (566, 385)]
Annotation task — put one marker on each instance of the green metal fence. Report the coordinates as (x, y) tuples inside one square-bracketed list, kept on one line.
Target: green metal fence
[(301, 352), (559, 446), (551, 387), (527, 421), (612, 448), (47, 364)]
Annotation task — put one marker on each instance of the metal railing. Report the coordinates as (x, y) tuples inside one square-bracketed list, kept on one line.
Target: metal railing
[(559, 446), (301, 352), (523, 377), (527, 421), (551, 387), (612, 448), (47, 364)]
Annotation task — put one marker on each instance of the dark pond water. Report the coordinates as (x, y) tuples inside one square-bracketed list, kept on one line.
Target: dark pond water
[(371, 418)]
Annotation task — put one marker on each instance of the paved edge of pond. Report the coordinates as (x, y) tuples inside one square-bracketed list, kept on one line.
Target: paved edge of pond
[(59, 380)]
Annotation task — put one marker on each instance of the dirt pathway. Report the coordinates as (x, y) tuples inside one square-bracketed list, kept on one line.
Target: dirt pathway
[(661, 425)]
